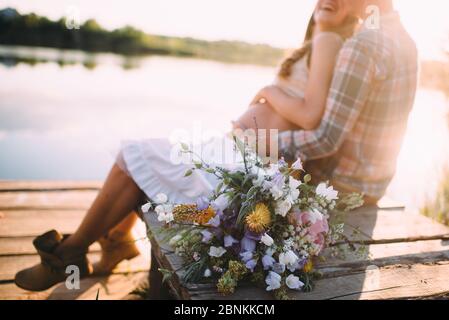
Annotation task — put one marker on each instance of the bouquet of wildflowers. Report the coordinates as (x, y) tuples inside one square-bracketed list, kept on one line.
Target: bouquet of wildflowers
[(263, 223)]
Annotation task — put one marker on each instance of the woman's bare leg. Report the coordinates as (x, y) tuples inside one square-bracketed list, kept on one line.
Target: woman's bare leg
[(116, 201)]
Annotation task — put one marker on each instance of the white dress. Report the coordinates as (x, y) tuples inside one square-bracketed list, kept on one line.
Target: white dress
[(158, 166), (149, 165)]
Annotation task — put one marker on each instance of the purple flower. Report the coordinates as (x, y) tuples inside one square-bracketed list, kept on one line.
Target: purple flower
[(207, 236), (279, 268), (251, 264), (302, 262), (229, 241), (217, 232), (267, 262), (266, 185), (278, 179), (253, 235), (293, 267), (215, 221), (219, 213), (282, 162), (221, 202), (202, 203), (248, 244), (246, 256)]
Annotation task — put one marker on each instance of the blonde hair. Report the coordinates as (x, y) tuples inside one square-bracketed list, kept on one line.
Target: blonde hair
[(305, 50)]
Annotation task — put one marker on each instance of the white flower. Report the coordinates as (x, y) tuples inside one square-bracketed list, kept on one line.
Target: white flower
[(276, 191), (298, 165), (288, 258), (273, 280), (164, 213), (315, 216), (146, 207), (282, 207), (273, 170), (221, 203), (207, 273), (161, 198), (260, 173), (166, 217), (327, 192), (267, 240), (173, 241), (293, 195), (293, 183), (259, 181), (216, 252), (293, 282)]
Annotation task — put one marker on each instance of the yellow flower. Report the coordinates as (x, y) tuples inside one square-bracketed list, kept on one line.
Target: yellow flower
[(260, 219), (189, 213), (308, 266)]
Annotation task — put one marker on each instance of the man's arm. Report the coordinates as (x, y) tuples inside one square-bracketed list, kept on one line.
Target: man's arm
[(350, 88)]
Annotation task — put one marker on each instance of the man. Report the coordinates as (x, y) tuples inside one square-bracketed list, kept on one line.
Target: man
[(373, 89)]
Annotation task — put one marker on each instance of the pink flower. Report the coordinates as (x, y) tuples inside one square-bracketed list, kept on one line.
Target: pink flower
[(316, 227)]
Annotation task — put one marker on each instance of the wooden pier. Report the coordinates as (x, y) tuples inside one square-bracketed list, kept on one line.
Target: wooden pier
[(408, 253), (28, 209)]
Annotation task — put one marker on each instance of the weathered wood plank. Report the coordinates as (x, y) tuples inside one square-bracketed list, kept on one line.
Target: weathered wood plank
[(394, 225), (392, 251), (381, 255), (16, 223), (53, 200), (387, 203), (393, 282), (10, 265), (33, 185), (114, 287)]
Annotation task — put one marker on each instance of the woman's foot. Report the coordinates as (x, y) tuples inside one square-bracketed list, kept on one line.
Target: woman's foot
[(52, 268), (115, 247)]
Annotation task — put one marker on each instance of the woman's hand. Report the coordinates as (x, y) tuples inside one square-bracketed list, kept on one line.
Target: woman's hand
[(262, 95)]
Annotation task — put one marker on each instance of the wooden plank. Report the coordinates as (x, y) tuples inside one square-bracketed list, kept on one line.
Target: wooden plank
[(393, 282), (411, 255), (34, 185), (114, 287), (17, 246), (47, 200), (383, 226), (16, 223), (387, 203), (10, 265), (382, 255)]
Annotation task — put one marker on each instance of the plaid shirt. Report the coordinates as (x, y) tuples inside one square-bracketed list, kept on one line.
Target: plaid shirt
[(372, 92)]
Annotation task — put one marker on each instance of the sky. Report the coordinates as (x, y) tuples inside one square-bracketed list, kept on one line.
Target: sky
[(279, 23)]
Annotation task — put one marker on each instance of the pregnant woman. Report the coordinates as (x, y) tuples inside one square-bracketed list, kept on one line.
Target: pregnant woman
[(143, 169)]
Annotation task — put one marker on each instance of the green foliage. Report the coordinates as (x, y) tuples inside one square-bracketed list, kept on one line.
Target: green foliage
[(166, 274), (34, 30), (438, 207)]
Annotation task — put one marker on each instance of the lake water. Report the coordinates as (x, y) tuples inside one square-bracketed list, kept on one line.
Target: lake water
[(65, 118)]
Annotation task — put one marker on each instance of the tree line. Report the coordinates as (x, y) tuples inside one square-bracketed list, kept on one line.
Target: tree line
[(34, 30)]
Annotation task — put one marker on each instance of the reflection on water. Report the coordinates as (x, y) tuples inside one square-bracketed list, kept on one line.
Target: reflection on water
[(67, 122)]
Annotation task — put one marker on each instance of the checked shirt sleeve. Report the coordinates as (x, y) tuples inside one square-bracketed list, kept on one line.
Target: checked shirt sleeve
[(350, 88)]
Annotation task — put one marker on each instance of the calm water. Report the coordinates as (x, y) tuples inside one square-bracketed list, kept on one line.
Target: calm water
[(66, 120)]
